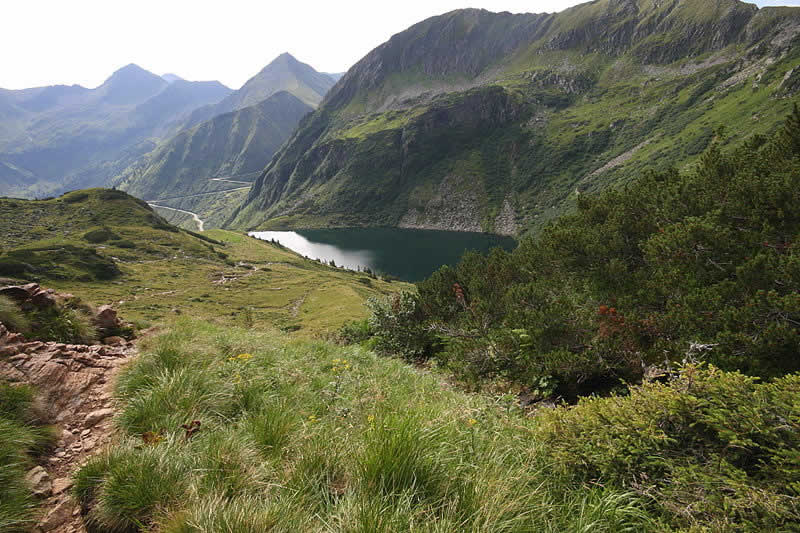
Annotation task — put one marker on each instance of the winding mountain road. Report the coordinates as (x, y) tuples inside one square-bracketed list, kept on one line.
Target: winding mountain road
[(197, 219), (199, 194)]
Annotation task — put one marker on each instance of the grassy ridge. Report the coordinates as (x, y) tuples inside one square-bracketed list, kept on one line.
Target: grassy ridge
[(84, 235)]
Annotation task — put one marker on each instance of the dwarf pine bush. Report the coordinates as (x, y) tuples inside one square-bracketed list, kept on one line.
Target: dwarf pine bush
[(708, 448), (633, 276)]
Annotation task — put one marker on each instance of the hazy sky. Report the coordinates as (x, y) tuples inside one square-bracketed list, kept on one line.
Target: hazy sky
[(45, 42)]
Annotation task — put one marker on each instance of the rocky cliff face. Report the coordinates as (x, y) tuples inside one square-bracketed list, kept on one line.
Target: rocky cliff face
[(496, 122)]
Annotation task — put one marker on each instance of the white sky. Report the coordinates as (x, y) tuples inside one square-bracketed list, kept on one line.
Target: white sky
[(45, 42)]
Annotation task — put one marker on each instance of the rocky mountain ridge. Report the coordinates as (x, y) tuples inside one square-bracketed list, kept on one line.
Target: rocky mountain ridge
[(284, 73)]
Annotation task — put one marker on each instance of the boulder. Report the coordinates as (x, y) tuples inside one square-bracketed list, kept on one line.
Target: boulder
[(15, 292), (57, 518), (9, 350), (31, 287), (43, 298), (106, 318), (61, 484), (39, 481)]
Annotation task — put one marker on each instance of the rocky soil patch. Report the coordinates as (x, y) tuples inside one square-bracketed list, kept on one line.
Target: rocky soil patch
[(74, 384)]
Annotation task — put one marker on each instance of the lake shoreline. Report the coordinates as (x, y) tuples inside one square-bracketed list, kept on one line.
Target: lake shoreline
[(403, 253)]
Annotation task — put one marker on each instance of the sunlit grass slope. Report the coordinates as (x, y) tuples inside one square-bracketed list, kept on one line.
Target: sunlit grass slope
[(108, 247), (294, 435)]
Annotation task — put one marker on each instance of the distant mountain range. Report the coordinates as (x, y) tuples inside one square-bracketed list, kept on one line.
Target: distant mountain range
[(54, 137), (498, 122), (65, 137)]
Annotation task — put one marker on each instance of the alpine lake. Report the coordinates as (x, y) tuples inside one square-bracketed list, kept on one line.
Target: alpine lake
[(406, 254)]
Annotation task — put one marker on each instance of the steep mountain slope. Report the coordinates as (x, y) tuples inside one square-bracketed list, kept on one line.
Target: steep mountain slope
[(509, 118), (234, 146), (284, 73), (59, 137), (336, 76)]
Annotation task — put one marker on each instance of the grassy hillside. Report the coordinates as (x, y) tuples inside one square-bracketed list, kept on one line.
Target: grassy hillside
[(307, 436), (108, 247), (511, 117)]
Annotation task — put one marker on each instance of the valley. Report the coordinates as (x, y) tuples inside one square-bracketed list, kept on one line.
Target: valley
[(508, 273)]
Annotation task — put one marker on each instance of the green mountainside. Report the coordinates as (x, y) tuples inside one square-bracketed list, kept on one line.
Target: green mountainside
[(61, 137), (497, 122), (184, 171)]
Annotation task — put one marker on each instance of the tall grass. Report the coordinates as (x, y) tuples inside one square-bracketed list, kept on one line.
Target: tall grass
[(21, 434), (12, 316), (307, 436)]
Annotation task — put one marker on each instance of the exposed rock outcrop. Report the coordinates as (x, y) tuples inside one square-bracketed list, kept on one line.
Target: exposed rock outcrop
[(32, 297), (73, 383)]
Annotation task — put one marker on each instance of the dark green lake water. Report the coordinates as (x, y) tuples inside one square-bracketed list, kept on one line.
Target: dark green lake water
[(408, 254)]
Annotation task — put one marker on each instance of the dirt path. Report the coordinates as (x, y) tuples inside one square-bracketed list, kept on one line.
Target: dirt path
[(197, 219), (75, 383)]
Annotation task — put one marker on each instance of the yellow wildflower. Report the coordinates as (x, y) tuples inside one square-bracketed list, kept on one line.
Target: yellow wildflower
[(472, 421)]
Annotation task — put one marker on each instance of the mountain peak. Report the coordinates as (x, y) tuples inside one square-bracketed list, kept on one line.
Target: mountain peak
[(285, 72), (283, 61), (129, 73), (131, 84)]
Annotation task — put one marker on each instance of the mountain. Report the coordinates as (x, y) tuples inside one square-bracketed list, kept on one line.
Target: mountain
[(335, 76), (175, 101), (284, 73), (59, 137), (169, 78), (498, 122), (130, 85), (233, 146)]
